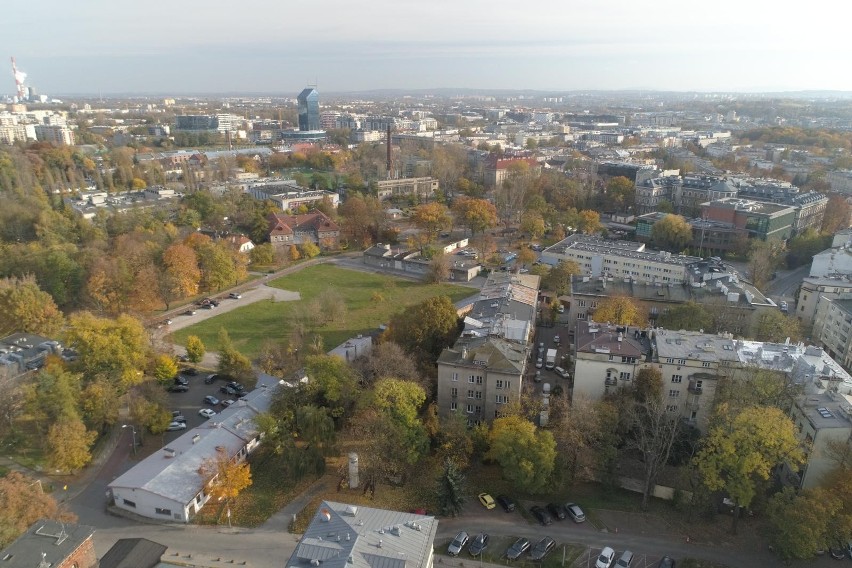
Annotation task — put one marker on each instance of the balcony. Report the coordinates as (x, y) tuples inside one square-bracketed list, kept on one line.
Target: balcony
[(611, 382)]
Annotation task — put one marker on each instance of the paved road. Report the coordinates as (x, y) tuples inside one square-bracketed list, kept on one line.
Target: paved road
[(785, 285)]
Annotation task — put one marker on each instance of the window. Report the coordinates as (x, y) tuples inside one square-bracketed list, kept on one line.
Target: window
[(581, 316), (499, 384), (670, 360), (479, 380), (159, 511), (677, 378), (470, 409), (671, 408), (611, 356), (628, 359), (479, 410), (479, 395), (624, 376), (705, 363), (502, 399), (674, 393), (470, 394), (454, 405), (129, 503), (681, 361), (454, 392), (581, 303), (471, 379), (455, 376)]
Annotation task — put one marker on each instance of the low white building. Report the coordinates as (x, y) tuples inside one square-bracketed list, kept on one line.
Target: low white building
[(168, 485)]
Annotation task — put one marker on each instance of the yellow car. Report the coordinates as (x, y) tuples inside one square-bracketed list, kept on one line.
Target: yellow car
[(486, 500)]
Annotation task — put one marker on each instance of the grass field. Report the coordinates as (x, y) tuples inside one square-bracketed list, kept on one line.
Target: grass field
[(370, 299)]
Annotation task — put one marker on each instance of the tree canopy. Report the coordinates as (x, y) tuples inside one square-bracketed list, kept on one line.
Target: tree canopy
[(672, 233), (526, 454), (619, 310)]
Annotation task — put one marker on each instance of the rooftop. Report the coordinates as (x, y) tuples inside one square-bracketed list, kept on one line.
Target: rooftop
[(607, 338), (349, 536), (46, 543), (826, 410), (625, 249)]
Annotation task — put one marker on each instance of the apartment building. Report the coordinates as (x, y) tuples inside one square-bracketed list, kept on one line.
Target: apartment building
[(621, 259), (815, 290), (418, 188), (55, 134), (484, 370), (832, 326), (607, 357)]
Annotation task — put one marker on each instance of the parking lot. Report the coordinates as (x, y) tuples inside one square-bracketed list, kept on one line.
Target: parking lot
[(190, 402)]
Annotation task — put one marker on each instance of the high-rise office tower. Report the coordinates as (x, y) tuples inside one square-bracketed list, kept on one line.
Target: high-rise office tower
[(309, 115)]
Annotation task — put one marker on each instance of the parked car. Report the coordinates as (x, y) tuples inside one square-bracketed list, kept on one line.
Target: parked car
[(575, 512), (542, 548), (177, 416), (178, 388), (539, 363), (667, 562), (541, 515), (235, 296), (183, 358), (206, 413), (181, 380), (458, 544), (227, 403), (555, 339), (783, 306), (506, 502), (189, 371), (228, 389), (518, 548), (210, 379), (557, 510), (189, 313), (486, 500), (625, 560), (208, 306), (176, 426), (605, 558), (478, 544), (211, 400)]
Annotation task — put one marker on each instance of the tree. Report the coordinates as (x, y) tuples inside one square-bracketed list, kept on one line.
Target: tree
[(654, 431), (799, 525), (762, 261), (180, 275), (690, 316), (532, 223), (262, 255), (400, 402), (589, 222), (309, 249), (672, 233), (621, 192), (743, 450), (165, 369), (216, 261), (837, 214), (526, 455), (431, 218), (225, 477), (477, 215), (331, 382), (99, 404), (453, 441), (574, 426), (387, 359), (774, 326), (648, 384), (195, 348), (439, 269), (23, 501), (232, 363), (25, 308), (68, 444), (425, 329), (293, 253), (451, 490), (619, 310), (114, 349), (558, 279)]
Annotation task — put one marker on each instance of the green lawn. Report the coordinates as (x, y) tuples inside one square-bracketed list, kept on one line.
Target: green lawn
[(253, 324)]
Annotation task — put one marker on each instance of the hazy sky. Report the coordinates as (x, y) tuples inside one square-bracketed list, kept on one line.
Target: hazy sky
[(278, 46)]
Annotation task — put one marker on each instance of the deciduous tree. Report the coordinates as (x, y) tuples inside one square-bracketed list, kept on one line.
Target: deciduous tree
[(195, 348), (425, 329), (116, 349), (232, 363), (836, 216), (309, 249), (180, 276), (23, 501), (799, 523), (619, 310), (165, 368), (25, 308), (691, 316), (477, 215), (225, 476), (773, 326), (526, 455), (439, 269), (431, 218), (672, 233), (558, 278), (68, 444), (743, 450)]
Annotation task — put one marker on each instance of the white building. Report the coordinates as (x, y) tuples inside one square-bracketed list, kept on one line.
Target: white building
[(837, 259), (60, 135), (350, 536), (168, 485)]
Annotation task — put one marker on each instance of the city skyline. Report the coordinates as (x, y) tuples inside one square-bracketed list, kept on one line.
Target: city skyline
[(106, 47)]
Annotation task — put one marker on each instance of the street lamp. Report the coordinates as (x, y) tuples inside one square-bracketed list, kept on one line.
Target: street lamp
[(133, 430)]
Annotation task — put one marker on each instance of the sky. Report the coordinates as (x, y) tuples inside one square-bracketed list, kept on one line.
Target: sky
[(279, 46)]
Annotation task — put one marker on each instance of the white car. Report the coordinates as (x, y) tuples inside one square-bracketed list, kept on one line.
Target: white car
[(176, 426), (605, 559), (206, 413)]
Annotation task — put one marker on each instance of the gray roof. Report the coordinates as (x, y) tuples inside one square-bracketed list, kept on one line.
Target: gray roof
[(133, 553), (174, 472), (51, 541), (348, 536)]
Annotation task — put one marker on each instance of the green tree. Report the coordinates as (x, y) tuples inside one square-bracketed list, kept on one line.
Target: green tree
[(232, 363), (620, 310), (672, 233), (743, 450), (68, 444), (648, 384), (558, 279), (477, 215), (263, 255), (165, 369), (195, 348), (691, 316), (425, 329), (53, 396), (25, 308), (774, 326), (431, 218), (526, 455), (621, 192), (99, 404), (532, 223), (451, 490), (799, 524), (331, 382)]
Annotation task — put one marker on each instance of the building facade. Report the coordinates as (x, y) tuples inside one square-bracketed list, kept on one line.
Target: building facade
[(314, 227), (309, 113)]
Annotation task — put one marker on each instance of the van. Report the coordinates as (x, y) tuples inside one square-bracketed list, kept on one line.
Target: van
[(561, 372), (626, 560)]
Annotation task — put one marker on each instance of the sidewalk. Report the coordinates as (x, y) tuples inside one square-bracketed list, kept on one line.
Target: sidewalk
[(280, 521)]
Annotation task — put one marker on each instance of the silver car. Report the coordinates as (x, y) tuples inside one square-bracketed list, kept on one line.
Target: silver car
[(458, 544)]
